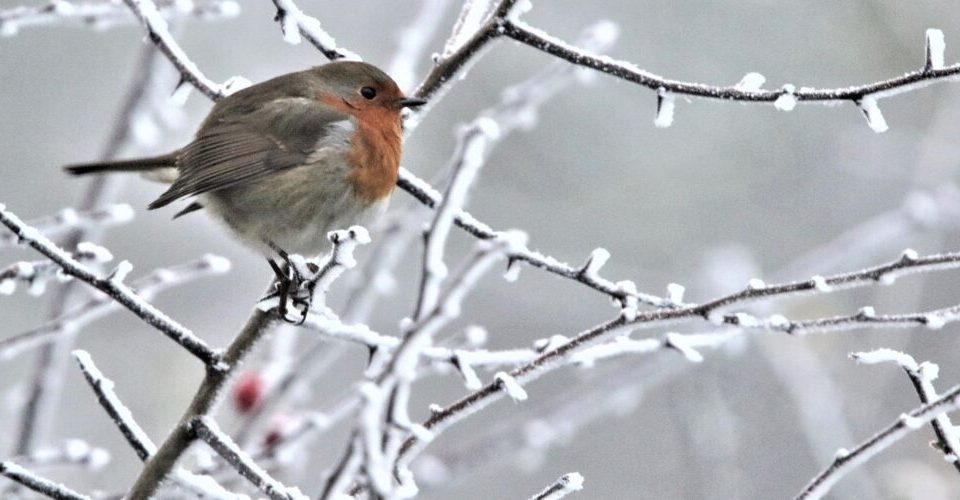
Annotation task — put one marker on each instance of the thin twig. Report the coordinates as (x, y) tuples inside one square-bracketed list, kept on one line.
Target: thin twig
[(207, 430), (147, 287), (846, 461), (112, 286), (36, 483), (567, 484)]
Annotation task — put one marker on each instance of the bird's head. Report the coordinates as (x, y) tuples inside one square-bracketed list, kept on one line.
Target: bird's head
[(358, 87)]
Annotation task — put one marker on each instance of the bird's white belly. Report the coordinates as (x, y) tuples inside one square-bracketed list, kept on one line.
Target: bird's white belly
[(294, 209)]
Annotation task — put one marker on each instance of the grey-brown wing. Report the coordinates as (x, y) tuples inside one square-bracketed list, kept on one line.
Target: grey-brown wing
[(272, 139)]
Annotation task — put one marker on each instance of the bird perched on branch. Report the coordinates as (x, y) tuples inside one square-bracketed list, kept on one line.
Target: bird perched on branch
[(287, 160)]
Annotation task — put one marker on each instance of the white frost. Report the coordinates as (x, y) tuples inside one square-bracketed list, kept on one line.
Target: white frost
[(679, 342), (787, 101), (675, 293), (935, 49), (884, 355), (666, 102), (875, 120), (751, 82), (821, 285), (511, 386)]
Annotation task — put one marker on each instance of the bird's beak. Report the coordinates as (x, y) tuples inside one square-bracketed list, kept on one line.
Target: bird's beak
[(410, 102)]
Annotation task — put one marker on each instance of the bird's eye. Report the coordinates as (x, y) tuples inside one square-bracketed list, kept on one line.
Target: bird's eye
[(368, 92)]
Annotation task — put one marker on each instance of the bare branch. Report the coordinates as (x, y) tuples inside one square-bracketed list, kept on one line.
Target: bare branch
[(36, 483), (846, 461), (148, 287), (921, 376), (156, 27), (207, 430), (103, 13), (539, 40), (112, 286), (567, 484), (69, 219), (120, 414), (294, 24)]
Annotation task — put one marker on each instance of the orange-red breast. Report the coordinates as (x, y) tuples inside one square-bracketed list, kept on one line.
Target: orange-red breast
[(289, 159)]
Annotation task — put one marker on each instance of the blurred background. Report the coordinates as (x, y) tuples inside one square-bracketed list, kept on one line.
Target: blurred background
[(728, 193)]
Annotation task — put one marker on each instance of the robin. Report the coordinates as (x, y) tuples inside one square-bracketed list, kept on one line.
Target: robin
[(285, 161)]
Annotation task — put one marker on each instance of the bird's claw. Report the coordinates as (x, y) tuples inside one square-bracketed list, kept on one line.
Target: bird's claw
[(292, 289)]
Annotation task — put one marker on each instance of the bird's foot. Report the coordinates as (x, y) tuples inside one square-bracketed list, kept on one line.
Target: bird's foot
[(295, 286)]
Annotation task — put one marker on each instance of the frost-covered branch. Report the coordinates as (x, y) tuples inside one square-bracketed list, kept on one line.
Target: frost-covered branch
[(469, 158), (38, 274), (112, 285), (294, 24), (39, 484), (69, 219), (567, 484), (71, 452), (517, 109), (921, 376), (148, 287), (136, 437), (157, 30), (207, 430), (412, 42), (120, 414), (785, 98), (207, 397), (846, 461), (103, 13)]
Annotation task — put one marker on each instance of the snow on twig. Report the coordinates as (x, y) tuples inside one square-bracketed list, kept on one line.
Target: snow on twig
[(921, 376), (157, 30), (294, 23), (39, 484), (101, 14), (69, 219), (846, 462), (567, 484), (115, 289), (207, 430), (147, 287)]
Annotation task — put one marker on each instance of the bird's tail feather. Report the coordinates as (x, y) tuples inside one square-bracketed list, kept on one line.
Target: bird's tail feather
[(134, 165)]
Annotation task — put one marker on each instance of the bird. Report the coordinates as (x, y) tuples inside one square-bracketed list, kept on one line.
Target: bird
[(287, 160)]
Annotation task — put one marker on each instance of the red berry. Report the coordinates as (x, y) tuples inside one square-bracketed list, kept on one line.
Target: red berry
[(248, 392)]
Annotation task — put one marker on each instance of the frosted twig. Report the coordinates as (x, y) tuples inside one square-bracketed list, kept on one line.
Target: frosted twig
[(103, 13), (117, 290), (472, 14), (423, 192), (206, 399), (141, 443), (529, 35), (71, 452), (148, 287), (567, 484), (413, 40), (159, 34), (330, 267), (69, 219), (846, 462), (469, 158), (517, 109), (921, 376), (555, 357), (120, 414), (207, 430), (468, 51), (146, 93), (36, 483), (38, 273), (294, 24)]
